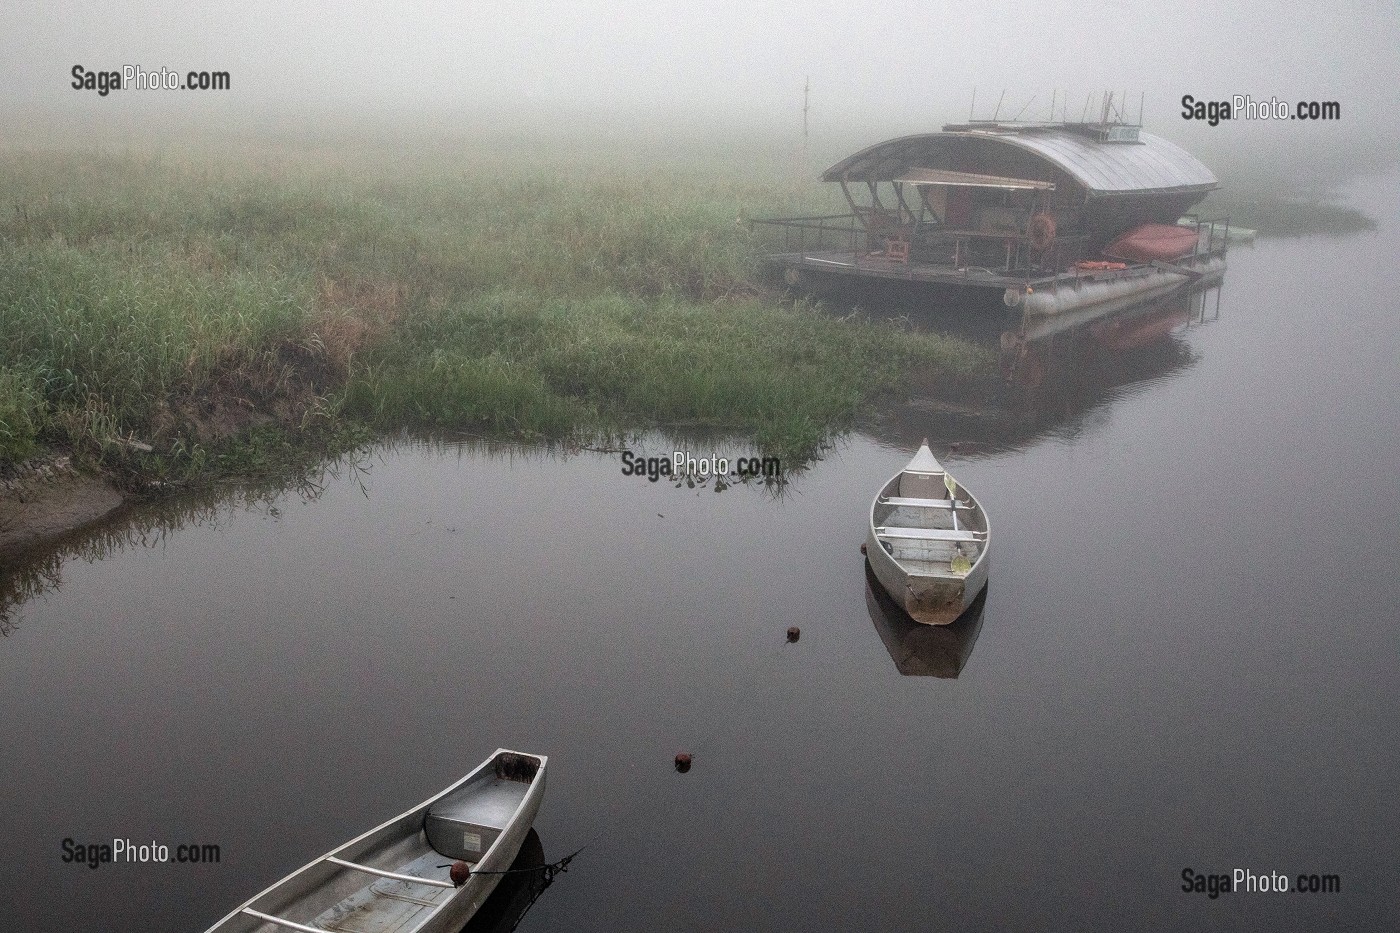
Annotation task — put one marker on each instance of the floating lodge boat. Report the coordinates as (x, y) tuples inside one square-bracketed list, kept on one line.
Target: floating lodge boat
[(1049, 216), (927, 541), (400, 876)]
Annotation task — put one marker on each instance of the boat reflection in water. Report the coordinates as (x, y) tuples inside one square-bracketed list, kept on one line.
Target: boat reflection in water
[(1058, 373), (923, 650), (517, 892), (1100, 340)]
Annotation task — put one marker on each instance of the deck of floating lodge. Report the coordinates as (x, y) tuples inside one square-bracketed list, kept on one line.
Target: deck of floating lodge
[(1031, 212)]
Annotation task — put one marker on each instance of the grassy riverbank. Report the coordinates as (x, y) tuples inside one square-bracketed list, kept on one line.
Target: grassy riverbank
[(224, 310), (1309, 213), (1297, 193)]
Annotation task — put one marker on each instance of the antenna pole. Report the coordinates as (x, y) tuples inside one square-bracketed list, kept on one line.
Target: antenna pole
[(1142, 99), (973, 106), (806, 101), (999, 100)]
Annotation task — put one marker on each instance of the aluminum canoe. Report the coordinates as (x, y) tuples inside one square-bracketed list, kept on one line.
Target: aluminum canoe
[(395, 878), (928, 541)]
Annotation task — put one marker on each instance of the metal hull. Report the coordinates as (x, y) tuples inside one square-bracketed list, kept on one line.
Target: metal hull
[(931, 600), (1049, 294), (1126, 287), (327, 895), (923, 650), (929, 596)]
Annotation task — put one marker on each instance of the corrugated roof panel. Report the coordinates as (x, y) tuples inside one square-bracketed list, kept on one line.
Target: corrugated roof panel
[(1153, 164)]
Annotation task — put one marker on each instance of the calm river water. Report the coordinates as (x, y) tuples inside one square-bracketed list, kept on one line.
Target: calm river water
[(1187, 658)]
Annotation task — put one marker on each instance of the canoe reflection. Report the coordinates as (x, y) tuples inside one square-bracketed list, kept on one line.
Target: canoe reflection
[(922, 650), (516, 893)]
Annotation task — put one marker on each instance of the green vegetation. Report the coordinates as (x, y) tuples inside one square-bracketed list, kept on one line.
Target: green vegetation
[(1300, 195), (1275, 215), (21, 412), (229, 311)]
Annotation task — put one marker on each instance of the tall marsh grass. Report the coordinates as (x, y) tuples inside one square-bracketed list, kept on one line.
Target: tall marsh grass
[(185, 300)]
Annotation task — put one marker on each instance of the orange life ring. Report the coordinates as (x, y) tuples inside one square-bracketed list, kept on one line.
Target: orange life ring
[(1042, 230)]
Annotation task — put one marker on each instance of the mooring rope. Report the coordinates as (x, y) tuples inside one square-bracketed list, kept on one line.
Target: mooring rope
[(550, 870)]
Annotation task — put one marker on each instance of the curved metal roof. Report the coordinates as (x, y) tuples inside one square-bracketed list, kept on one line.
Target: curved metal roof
[(1151, 164), (942, 176)]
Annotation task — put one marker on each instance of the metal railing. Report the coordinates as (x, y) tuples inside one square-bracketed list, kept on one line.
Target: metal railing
[(831, 231), (847, 233), (1215, 243)]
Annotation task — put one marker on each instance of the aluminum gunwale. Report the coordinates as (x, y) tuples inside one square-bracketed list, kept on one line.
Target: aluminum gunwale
[(529, 803)]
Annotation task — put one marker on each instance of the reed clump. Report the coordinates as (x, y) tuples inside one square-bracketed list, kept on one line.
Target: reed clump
[(189, 302), (1272, 214)]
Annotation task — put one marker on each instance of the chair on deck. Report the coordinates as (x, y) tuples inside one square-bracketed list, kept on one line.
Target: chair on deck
[(897, 247), (884, 227)]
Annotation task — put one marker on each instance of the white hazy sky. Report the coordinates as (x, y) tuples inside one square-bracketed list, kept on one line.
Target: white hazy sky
[(898, 64)]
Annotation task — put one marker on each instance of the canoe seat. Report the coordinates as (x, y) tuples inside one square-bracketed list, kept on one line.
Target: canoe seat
[(931, 534), (464, 825), (457, 838), (925, 503)]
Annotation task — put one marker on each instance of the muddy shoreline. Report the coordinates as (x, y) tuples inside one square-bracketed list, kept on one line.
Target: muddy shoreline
[(45, 498)]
